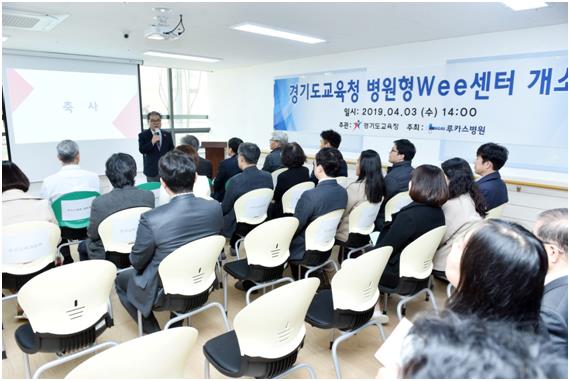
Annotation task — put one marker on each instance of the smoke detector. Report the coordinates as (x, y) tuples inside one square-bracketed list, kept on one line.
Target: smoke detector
[(34, 21), (161, 30)]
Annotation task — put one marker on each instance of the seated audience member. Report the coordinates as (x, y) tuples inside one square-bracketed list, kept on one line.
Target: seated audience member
[(469, 347), (70, 178), (464, 208), (227, 169), (552, 229), (368, 187), (162, 230), (428, 191), (276, 143), (332, 139), (121, 170), (204, 165), (251, 178), (490, 158), (201, 184), (293, 158), (498, 269), (17, 204), (326, 197)]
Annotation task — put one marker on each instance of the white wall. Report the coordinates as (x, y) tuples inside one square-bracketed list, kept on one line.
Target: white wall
[(241, 100)]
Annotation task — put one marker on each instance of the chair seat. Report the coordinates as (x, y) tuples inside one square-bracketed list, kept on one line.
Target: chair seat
[(26, 339), (238, 269), (406, 286), (223, 353), (313, 258), (321, 310)]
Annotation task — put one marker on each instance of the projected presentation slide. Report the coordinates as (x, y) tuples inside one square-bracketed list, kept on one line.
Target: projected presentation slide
[(50, 106)]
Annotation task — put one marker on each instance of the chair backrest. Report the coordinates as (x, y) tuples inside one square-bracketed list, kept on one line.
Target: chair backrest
[(190, 269), (162, 354), (268, 244), (496, 212), (154, 187), (320, 233), (416, 260), (28, 247), (396, 203), (276, 173), (72, 210), (273, 325), (119, 230), (293, 194), (342, 181), (68, 299), (355, 285), (361, 219), (251, 208)]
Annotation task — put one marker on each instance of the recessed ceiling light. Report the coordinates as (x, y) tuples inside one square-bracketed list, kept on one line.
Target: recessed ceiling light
[(518, 5), (267, 31), (182, 57)]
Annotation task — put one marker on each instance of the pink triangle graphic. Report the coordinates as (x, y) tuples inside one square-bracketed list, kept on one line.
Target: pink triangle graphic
[(127, 121), (19, 88)]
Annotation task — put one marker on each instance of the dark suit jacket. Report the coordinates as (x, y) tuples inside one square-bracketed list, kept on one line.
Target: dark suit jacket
[(396, 181), (151, 153), (107, 204), (251, 178), (162, 230), (285, 181), (205, 168), (273, 161), (494, 190), (343, 171), (326, 197), (554, 313), (226, 170), (412, 221)]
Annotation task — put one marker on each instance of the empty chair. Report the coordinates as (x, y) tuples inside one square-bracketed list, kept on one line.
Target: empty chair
[(292, 196), (67, 309), (154, 187), (319, 241), (118, 232), (416, 265), (360, 225), (267, 250), (396, 203), (276, 173), (163, 354), (251, 210), (188, 276), (496, 212), (267, 335), (349, 305)]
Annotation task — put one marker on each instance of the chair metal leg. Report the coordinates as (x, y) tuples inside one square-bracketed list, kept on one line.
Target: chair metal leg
[(449, 290), (237, 246), (139, 321), (357, 249), (206, 368), (315, 268), (385, 309), (181, 317), (264, 285), (27, 369), (312, 373), (123, 270), (226, 292), (403, 301)]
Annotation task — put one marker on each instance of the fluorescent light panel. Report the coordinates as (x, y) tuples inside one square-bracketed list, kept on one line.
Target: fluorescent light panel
[(518, 5), (182, 57), (267, 31)]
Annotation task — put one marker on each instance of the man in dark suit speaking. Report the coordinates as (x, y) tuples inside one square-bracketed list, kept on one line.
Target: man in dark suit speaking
[(154, 143), (162, 230)]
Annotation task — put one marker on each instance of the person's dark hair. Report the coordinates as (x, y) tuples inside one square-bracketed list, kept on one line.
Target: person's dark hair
[(461, 181), (329, 159), (332, 137), (13, 177), (190, 151), (121, 170), (292, 155), (468, 347), (428, 185), (178, 171), (406, 148), (234, 143), (371, 174), (191, 140), (156, 113), (250, 152), (502, 272), (552, 227), (494, 153)]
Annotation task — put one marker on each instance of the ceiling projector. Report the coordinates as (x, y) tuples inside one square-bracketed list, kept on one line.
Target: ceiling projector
[(163, 31)]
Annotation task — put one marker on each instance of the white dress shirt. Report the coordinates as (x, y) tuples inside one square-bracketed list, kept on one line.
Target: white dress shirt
[(70, 178)]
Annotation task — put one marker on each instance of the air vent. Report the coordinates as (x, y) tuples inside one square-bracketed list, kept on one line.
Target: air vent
[(30, 20)]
